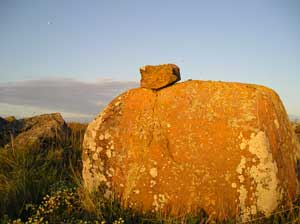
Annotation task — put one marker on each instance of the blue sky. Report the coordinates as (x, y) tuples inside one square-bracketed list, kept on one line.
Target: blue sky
[(255, 41)]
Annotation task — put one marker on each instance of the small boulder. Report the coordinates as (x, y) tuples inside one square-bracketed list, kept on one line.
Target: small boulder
[(157, 77), (43, 131)]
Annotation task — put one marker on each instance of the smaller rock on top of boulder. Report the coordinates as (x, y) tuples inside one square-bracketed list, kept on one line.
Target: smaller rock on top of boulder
[(159, 76)]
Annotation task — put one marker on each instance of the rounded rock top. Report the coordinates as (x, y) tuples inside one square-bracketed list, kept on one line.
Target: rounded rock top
[(158, 76), (176, 149)]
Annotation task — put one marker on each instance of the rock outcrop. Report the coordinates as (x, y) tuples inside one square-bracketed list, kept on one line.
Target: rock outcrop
[(227, 148), (156, 77), (43, 131)]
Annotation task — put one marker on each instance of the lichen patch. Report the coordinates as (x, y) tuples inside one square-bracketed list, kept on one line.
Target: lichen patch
[(95, 156), (108, 153), (107, 135), (241, 178), (159, 201), (92, 177), (153, 172), (152, 183), (242, 199), (99, 149), (137, 191), (241, 165), (276, 123), (263, 175)]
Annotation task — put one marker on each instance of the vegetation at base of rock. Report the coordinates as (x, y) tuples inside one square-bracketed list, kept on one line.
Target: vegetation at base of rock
[(27, 175), (45, 187)]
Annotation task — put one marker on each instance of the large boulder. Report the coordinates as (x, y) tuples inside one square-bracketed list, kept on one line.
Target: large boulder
[(227, 148), (40, 132)]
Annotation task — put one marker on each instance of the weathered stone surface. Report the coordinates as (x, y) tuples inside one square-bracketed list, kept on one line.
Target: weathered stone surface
[(227, 148), (156, 77), (41, 131)]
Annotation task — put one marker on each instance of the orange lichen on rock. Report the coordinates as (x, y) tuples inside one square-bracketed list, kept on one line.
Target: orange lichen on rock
[(227, 148), (156, 77)]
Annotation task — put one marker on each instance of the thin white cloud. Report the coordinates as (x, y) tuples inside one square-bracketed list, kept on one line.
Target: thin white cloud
[(76, 100)]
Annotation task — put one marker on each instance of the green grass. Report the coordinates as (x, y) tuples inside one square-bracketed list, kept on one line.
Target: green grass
[(23, 179), (38, 186), (27, 175)]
